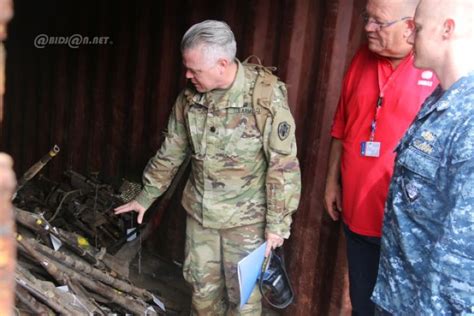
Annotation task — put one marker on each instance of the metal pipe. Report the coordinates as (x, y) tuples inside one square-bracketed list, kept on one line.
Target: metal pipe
[(33, 171)]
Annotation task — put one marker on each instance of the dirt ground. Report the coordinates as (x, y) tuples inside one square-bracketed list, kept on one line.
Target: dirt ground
[(165, 279)]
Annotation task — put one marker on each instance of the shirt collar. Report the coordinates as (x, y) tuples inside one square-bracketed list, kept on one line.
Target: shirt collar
[(407, 59), (441, 100), (234, 96), (449, 96)]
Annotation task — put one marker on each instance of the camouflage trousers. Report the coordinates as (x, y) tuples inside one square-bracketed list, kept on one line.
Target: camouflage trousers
[(210, 267)]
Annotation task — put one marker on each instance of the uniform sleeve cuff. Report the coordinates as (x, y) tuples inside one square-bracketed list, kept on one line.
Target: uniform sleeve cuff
[(283, 232), (144, 200)]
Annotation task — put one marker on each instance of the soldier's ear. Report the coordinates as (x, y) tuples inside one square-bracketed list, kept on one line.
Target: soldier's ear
[(223, 62)]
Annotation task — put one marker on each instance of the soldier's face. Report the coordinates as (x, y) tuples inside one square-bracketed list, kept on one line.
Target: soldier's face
[(204, 75)]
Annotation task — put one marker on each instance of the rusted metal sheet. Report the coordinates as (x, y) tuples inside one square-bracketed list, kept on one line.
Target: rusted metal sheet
[(106, 106), (317, 258)]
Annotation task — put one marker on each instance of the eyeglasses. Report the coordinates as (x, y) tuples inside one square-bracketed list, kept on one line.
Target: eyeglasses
[(380, 25)]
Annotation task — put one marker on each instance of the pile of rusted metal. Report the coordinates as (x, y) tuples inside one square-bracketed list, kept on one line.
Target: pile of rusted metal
[(66, 238)]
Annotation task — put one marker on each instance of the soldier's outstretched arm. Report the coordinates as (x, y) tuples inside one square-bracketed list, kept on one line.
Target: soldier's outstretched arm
[(162, 167)]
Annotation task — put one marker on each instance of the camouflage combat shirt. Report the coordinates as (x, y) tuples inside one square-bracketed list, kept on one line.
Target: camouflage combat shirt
[(427, 255), (239, 175)]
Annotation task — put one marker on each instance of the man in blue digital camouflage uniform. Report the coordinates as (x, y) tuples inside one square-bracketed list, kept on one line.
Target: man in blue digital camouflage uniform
[(427, 255)]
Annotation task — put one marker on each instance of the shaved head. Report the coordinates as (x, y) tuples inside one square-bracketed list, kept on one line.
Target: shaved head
[(461, 11), (444, 38)]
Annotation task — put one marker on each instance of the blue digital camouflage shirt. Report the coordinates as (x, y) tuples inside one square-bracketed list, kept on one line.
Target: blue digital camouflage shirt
[(427, 255)]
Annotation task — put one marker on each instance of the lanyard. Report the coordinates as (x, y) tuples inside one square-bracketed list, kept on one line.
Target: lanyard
[(373, 125), (382, 87)]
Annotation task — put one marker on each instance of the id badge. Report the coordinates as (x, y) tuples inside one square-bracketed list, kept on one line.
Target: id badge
[(370, 149)]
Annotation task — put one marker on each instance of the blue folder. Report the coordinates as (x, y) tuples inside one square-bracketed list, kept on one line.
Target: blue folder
[(248, 270)]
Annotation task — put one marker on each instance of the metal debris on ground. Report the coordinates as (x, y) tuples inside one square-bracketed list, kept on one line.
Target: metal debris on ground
[(67, 236)]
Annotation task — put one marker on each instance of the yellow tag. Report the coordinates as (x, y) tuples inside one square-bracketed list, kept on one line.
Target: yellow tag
[(39, 221), (82, 242)]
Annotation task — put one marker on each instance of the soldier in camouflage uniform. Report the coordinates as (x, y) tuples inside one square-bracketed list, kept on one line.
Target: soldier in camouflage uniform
[(245, 181), (427, 255)]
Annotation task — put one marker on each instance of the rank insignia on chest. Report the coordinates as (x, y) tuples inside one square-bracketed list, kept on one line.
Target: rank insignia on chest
[(428, 136), (283, 130), (423, 146)]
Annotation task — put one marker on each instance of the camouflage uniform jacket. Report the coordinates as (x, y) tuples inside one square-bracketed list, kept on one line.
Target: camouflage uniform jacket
[(427, 255), (234, 181)]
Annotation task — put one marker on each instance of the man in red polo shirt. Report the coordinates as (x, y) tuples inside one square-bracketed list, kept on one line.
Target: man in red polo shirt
[(381, 95)]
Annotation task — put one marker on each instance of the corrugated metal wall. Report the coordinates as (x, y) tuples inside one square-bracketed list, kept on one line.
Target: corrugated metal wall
[(106, 105)]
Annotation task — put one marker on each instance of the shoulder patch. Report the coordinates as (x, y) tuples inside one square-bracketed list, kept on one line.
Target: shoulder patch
[(284, 130), (282, 135)]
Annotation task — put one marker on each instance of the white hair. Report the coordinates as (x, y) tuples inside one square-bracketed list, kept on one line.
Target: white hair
[(215, 38)]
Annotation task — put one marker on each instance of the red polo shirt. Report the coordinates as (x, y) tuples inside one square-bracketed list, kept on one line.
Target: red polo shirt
[(365, 180)]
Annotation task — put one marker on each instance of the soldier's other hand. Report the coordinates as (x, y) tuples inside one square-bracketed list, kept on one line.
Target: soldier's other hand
[(132, 206), (333, 200), (273, 241)]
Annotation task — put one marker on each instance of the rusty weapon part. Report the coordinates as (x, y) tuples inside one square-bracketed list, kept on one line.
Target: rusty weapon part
[(33, 171)]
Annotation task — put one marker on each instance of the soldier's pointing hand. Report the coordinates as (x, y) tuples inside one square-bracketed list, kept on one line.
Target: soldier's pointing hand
[(132, 206)]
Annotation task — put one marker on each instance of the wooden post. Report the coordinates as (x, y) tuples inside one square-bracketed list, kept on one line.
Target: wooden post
[(7, 239), (7, 186), (6, 13)]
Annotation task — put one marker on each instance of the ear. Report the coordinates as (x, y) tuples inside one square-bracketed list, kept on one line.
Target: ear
[(448, 28), (223, 62), (410, 28)]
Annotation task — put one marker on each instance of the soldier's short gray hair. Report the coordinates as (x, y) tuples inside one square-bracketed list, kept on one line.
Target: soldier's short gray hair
[(216, 38)]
